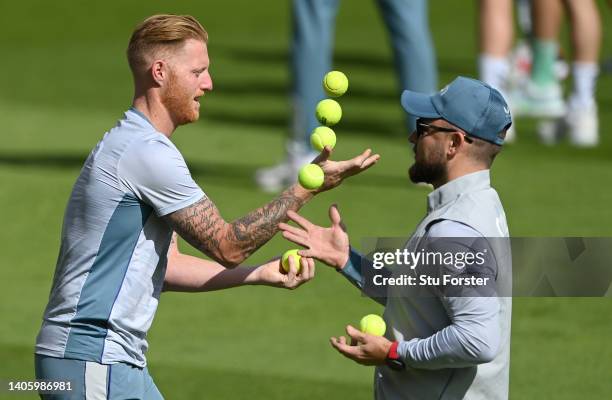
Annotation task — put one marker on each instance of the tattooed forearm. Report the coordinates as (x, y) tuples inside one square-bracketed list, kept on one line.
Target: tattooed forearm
[(230, 243), (200, 225), (255, 229)]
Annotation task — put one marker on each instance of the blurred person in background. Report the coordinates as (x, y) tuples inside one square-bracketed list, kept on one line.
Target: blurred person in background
[(542, 94), (499, 65), (311, 58), (496, 36)]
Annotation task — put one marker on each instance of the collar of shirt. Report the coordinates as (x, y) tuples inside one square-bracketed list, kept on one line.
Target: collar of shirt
[(133, 111), (448, 192)]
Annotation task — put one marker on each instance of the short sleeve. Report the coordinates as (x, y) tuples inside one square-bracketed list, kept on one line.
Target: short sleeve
[(156, 173)]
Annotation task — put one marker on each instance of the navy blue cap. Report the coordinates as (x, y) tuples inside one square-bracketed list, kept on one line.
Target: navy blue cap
[(469, 104)]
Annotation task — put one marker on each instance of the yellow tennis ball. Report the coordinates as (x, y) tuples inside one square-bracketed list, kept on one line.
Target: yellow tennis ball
[(285, 260), (328, 112), (335, 83), (311, 176), (373, 325), (322, 136)]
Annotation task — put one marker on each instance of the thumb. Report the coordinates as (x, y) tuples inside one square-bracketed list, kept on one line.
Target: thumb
[(324, 156), (355, 333), (334, 215)]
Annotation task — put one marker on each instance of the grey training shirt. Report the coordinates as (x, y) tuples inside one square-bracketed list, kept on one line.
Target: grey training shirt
[(453, 347), (112, 261)]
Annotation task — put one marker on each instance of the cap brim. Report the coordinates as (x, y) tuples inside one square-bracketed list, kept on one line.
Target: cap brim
[(419, 105)]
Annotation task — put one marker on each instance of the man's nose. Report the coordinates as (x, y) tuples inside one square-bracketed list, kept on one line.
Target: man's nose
[(207, 83)]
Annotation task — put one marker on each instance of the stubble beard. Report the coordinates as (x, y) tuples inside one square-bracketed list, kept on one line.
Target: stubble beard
[(179, 103)]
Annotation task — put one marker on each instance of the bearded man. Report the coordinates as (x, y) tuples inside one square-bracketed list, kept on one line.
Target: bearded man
[(441, 342), (133, 193)]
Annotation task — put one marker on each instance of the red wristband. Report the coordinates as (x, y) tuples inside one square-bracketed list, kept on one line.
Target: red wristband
[(393, 351)]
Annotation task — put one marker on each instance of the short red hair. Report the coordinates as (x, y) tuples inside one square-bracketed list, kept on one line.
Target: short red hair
[(161, 32)]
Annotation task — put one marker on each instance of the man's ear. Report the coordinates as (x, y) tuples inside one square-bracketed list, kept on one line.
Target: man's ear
[(455, 141), (159, 72)]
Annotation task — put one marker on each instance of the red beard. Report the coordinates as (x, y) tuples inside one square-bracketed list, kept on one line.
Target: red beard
[(179, 102)]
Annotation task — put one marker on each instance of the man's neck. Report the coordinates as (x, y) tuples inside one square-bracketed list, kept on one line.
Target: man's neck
[(457, 172), (154, 110)]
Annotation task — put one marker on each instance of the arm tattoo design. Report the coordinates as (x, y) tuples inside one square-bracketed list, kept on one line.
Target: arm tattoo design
[(199, 224), (255, 229), (203, 227)]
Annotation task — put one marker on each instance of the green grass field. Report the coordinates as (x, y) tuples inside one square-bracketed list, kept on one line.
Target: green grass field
[(65, 81)]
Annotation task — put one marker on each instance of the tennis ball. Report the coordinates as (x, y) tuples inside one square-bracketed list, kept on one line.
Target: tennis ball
[(328, 112), (311, 176), (373, 325), (335, 83), (285, 260), (322, 136)]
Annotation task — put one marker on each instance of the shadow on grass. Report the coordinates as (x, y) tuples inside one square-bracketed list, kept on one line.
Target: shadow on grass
[(239, 87), (343, 59), (277, 55), (220, 173), (359, 125), (276, 87)]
